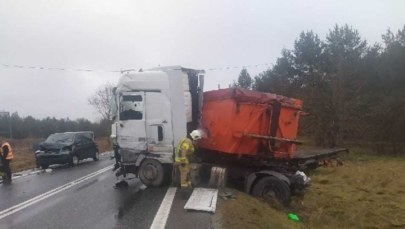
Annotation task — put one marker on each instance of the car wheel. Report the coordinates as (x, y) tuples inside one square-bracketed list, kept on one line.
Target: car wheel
[(96, 156), (151, 173), (272, 189), (74, 160)]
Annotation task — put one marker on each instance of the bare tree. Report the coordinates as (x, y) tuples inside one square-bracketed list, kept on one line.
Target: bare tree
[(101, 99)]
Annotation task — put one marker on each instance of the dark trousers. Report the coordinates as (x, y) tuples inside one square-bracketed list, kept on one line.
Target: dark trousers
[(7, 170), (117, 156)]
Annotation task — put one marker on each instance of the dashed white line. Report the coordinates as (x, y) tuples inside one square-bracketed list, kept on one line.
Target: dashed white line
[(50, 193), (159, 222)]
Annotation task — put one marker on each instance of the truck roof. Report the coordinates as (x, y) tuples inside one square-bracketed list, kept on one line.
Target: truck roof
[(176, 67)]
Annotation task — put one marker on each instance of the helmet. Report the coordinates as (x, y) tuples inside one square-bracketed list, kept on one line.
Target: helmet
[(196, 134)]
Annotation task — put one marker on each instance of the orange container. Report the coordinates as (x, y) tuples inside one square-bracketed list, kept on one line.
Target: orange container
[(249, 123)]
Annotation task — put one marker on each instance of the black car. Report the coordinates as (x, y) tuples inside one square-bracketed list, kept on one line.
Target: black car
[(68, 147)]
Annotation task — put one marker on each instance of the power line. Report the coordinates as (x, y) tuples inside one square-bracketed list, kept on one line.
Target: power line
[(52, 68), (236, 67), (127, 70)]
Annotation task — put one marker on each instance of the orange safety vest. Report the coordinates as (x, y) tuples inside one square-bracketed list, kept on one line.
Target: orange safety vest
[(10, 151)]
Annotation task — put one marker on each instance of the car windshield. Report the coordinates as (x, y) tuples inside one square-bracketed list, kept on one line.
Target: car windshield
[(60, 138)]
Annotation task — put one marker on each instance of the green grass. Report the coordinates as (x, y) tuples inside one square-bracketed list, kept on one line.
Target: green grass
[(368, 191)]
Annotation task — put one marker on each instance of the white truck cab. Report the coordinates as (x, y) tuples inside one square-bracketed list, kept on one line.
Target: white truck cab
[(152, 111)]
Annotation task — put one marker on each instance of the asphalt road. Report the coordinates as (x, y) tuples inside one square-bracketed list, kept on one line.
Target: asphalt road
[(92, 202)]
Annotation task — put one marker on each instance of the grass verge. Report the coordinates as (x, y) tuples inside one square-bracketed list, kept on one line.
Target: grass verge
[(368, 191)]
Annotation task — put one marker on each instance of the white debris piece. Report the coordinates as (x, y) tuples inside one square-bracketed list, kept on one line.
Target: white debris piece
[(304, 176), (203, 199), (48, 170)]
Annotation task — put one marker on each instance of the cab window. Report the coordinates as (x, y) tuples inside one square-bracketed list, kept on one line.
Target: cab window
[(131, 107)]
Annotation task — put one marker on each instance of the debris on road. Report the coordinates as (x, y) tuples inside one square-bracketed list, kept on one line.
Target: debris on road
[(293, 217), (203, 199), (142, 187), (225, 195), (121, 184)]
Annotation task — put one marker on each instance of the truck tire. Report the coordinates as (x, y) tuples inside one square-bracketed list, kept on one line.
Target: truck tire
[(151, 173), (272, 188), (175, 176)]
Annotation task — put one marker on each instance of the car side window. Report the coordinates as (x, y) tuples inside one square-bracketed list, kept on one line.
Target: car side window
[(78, 139), (82, 139), (87, 140)]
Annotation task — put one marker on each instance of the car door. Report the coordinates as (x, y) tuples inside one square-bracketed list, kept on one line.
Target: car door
[(78, 146), (81, 146), (88, 149)]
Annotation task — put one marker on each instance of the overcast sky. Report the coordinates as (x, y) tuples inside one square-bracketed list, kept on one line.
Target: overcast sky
[(113, 35)]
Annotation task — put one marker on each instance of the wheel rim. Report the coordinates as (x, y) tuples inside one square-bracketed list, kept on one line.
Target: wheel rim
[(75, 160), (269, 193), (150, 172)]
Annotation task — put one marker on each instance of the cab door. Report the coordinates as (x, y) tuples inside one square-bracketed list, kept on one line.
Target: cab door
[(131, 133), (159, 123)]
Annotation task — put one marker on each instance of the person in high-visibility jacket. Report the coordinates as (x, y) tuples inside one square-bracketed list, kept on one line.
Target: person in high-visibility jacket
[(185, 150), (6, 154)]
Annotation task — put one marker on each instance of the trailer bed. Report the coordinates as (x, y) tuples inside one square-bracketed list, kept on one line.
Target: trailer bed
[(308, 154)]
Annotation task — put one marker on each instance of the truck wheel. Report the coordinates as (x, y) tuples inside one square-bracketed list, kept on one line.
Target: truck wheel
[(175, 176), (151, 173), (271, 188)]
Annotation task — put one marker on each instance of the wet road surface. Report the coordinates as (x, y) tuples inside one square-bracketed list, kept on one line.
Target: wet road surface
[(90, 203)]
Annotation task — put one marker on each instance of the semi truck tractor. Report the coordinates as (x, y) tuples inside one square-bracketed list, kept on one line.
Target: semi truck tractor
[(153, 110), (249, 140)]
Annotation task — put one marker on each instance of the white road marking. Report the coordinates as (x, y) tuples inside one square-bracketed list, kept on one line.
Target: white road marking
[(50, 193), (159, 222)]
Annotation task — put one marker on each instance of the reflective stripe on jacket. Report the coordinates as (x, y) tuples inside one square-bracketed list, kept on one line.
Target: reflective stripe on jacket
[(10, 151), (187, 145)]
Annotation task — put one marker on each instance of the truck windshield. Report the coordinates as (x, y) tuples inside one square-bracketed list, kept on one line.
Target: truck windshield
[(131, 107)]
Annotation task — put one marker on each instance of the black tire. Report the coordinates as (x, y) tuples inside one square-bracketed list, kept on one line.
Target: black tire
[(151, 173), (271, 188), (96, 156), (74, 160), (175, 176), (44, 166)]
